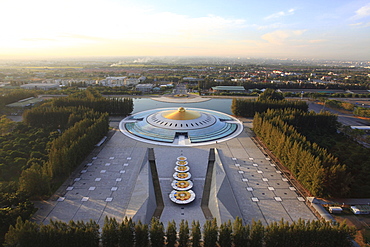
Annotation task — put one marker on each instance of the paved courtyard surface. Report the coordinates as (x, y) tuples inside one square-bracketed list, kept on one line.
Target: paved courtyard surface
[(104, 183)]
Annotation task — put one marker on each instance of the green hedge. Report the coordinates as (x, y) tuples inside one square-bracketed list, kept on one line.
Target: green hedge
[(128, 234)]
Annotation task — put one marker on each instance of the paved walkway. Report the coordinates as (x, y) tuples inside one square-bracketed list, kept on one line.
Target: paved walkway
[(104, 183)]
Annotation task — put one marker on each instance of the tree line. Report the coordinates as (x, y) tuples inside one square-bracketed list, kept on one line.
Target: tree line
[(129, 234), (355, 109), (92, 98), (11, 96), (38, 154), (269, 99), (317, 170), (326, 161), (53, 117), (20, 149), (248, 107)]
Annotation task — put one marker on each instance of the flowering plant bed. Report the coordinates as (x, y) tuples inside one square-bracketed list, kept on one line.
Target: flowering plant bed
[(182, 185), (181, 163), (182, 197), (182, 168), (182, 175)]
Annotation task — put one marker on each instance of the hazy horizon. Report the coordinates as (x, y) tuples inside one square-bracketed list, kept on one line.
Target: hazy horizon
[(331, 30)]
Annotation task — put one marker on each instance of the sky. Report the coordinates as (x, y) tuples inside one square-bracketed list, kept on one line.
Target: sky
[(297, 29)]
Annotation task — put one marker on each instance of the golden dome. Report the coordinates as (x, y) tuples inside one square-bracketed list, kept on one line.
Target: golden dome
[(181, 114)]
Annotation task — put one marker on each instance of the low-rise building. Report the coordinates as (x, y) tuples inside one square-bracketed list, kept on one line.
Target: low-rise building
[(112, 81), (131, 81), (40, 86), (142, 78), (229, 89), (145, 88), (360, 209)]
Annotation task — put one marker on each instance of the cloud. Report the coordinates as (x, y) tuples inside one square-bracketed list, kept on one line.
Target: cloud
[(315, 41), (175, 24), (37, 39), (81, 37), (279, 37), (280, 14), (360, 24), (356, 24), (276, 25), (362, 12), (107, 21)]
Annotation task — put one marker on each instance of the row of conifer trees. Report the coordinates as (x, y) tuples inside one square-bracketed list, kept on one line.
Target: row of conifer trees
[(82, 120), (248, 107), (42, 151), (57, 112), (136, 234), (93, 99), (317, 170)]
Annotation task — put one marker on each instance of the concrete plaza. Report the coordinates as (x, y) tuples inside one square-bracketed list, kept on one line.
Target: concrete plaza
[(106, 184)]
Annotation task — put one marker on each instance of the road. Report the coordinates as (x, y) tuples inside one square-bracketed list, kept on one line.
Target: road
[(345, 119)]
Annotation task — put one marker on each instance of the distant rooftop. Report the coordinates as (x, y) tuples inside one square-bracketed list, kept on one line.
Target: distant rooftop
[(229, 88)]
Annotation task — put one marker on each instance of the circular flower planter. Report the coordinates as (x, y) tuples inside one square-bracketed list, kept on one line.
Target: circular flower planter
[(182, 175), (182, 168), (181, 163), (182, 197), (182, 185), (180, 95), (181, 158)]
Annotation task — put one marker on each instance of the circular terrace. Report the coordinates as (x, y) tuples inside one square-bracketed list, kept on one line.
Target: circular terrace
[(181, 127)]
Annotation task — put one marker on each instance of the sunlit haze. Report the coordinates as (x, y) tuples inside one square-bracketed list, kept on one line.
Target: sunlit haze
[(325, 29)]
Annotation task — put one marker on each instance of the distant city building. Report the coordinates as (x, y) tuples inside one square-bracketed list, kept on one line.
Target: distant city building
[(189, 79), (219, 80), (239, 80), (70, 82), (121, 81), (3, 84), (229, 89), (192, 79), (142, 78), (326, 78), (113, 81), (131, 81), (166, 86), (145, 88), (40, 86), (276, 81)]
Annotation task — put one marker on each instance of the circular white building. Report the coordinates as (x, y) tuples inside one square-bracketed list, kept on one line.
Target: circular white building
[(181, 127)]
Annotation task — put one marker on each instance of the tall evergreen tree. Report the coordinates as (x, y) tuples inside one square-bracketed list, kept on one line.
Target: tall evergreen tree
[(210, 233), (196, 234), (183, 233), (225, 232), (126, 233), (240, 233), (171, 234), (22, 234), (110, 232), (156, 232), (256, 233), (141, 235)]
